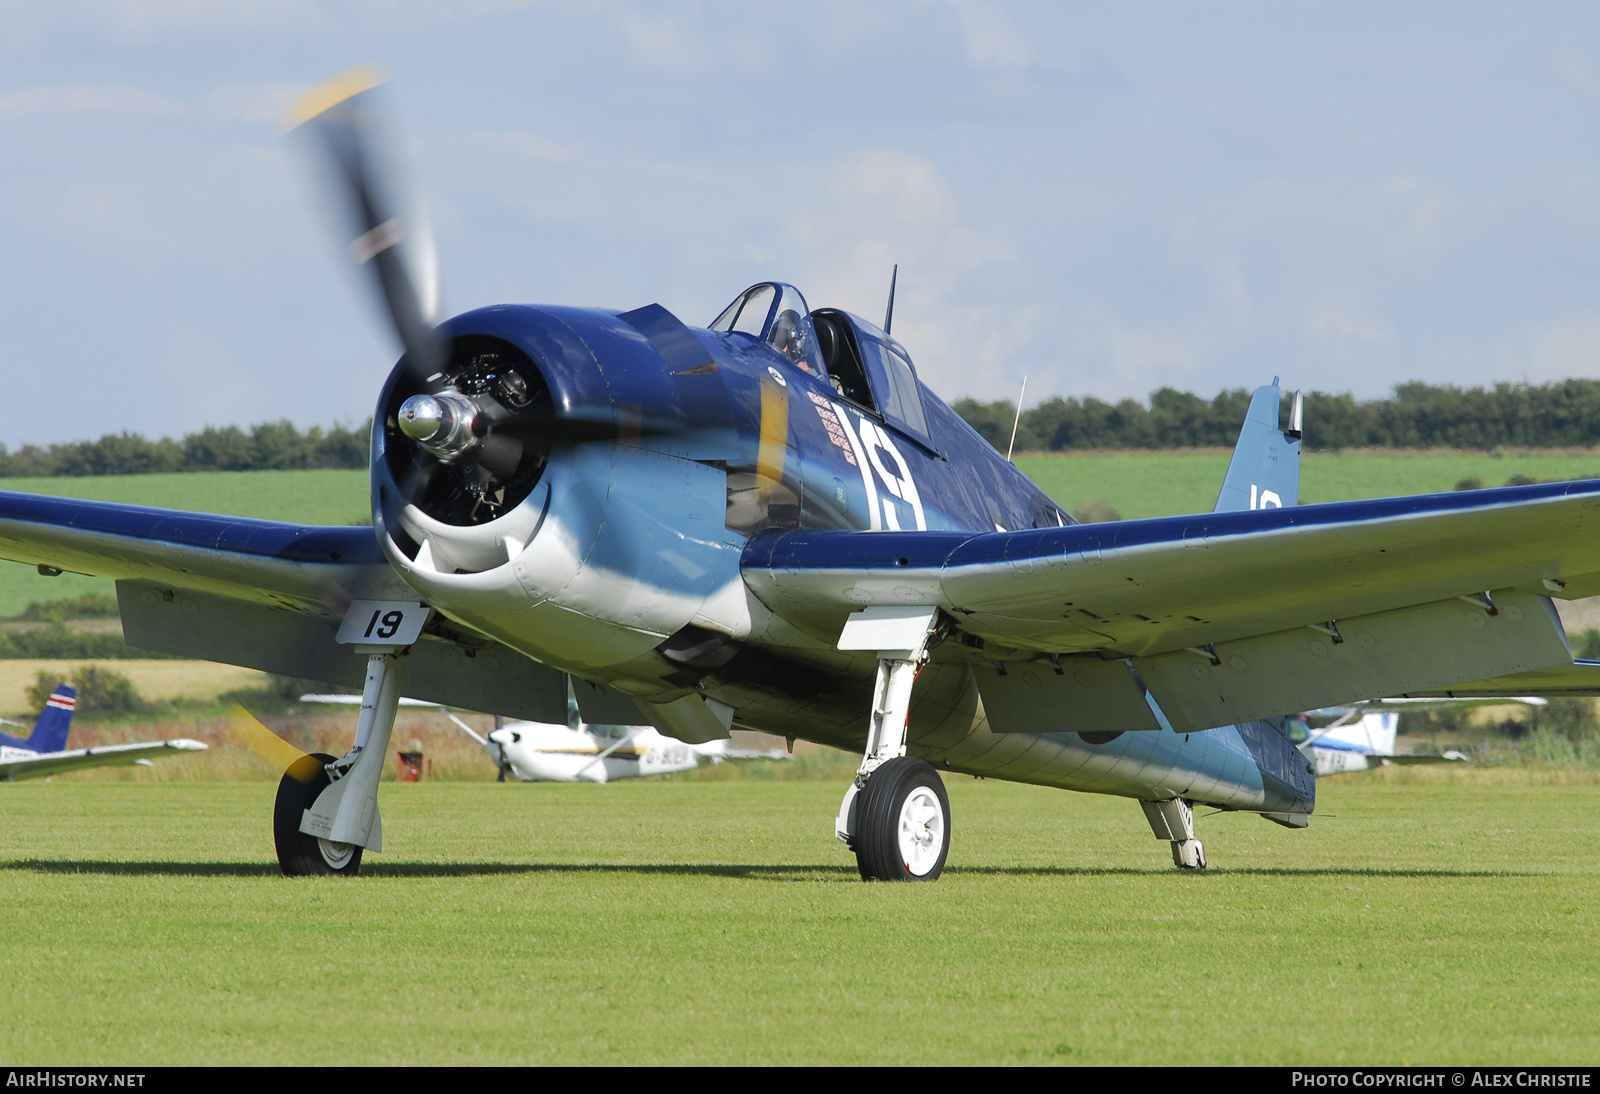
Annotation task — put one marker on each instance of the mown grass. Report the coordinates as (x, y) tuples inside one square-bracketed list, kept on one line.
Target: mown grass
[(662, 922)]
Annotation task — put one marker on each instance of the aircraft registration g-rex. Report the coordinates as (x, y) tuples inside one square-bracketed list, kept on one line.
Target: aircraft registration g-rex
[(769, 522)]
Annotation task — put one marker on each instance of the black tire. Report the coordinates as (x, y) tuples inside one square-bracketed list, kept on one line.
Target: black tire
[(880, 809), (301, 855)]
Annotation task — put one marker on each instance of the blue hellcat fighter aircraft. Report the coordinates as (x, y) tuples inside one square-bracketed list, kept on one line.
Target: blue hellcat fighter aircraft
[(769, 522)]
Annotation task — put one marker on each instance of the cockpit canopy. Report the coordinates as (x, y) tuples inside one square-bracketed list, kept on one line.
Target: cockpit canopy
[(776, 314), (862, 363)]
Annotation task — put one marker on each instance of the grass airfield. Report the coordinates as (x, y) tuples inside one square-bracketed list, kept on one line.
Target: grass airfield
[(1423, 921)]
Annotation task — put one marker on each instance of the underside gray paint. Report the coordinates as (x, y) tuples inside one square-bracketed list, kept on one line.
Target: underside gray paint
[(493, 679), (1390, 653), (603, 706)]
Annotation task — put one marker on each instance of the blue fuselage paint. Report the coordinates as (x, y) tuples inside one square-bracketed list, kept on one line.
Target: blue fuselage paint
[(720, 457), (740, 448)]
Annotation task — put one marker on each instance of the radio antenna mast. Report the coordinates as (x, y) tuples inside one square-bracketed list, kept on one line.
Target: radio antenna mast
[(888, 316), (1016, 420)]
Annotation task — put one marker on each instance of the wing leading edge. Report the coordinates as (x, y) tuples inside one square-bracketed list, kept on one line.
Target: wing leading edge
[(266, 562), (1194, 622), (1138, 588), (263, 594)]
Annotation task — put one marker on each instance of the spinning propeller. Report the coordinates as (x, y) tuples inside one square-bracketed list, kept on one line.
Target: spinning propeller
[(282, 755), (474, 411)]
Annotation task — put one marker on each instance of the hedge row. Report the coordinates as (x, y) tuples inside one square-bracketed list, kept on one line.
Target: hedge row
[(270, 446), (1557, 415)]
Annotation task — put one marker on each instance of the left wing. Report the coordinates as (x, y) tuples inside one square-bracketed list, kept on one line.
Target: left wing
[(54, 763), (1224, 617), (1581, 678)]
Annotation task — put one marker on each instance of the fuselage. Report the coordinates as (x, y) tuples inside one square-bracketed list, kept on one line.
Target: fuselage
[(541, 752), (621, 564)]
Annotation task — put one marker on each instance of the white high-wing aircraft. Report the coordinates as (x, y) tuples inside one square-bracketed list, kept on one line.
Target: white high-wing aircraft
[(579, 752), (771, 523), (44, 752), (1362, 735)]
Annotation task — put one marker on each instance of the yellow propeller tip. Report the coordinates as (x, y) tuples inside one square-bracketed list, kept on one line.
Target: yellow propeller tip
[(329, 94), (304, 769)]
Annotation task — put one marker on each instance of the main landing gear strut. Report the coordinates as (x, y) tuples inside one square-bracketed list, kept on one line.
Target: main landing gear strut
[(321, 826), (895, 815)]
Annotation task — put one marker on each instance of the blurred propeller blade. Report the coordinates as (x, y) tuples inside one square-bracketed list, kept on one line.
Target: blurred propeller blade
[(501, 454), (271, 747), (387, 227)]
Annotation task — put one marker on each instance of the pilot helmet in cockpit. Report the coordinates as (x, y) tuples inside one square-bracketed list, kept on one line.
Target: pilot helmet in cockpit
[(788, 337)]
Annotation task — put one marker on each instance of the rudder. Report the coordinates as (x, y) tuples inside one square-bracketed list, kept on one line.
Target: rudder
[(1265, 470)]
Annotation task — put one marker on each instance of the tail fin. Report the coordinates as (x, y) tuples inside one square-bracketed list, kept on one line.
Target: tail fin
[(1265, 470), (1373, 734), (50, 731)]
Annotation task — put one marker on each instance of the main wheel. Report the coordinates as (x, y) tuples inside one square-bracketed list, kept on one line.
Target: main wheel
[(902, 822), (301, 855)]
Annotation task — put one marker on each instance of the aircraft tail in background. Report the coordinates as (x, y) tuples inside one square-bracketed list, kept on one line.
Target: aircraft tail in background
[(1265, 470), (54, 724)]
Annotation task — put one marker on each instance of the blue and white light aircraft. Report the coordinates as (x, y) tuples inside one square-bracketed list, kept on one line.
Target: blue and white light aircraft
[(44, 751), (769, 522)]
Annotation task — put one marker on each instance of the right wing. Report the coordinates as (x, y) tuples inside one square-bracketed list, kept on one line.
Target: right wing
[(265, 595), (54, 763), (302, 568)]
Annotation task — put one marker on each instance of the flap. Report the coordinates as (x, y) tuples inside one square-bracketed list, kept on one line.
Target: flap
[(1401, 652), (491, 678)]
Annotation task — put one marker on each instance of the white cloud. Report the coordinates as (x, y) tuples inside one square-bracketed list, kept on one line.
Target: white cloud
[(665, 43), (166, 22), (86, 99), (1564, 346), (992, 41)]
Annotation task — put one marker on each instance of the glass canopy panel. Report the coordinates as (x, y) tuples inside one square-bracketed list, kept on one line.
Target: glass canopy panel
[(777, 314)]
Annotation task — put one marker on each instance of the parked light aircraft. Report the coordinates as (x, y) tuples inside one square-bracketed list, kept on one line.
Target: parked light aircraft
[(1362, 735), (769, 522), (579, 752), (44, 752)]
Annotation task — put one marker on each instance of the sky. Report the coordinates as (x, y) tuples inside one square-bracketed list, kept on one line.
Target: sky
[(1105, 198)]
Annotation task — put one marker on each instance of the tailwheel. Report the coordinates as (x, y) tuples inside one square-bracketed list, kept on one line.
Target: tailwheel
[(902, 822), (301, 855), (1188, 854)]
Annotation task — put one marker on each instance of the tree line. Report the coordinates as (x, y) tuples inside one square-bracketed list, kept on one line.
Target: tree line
[(269, 446), (1565, 414)]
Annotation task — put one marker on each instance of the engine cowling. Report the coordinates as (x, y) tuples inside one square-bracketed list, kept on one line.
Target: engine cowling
[(526, 490)]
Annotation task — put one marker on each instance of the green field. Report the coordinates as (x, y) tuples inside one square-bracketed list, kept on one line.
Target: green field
[(1159, 484), (307, 497), (696, 922)]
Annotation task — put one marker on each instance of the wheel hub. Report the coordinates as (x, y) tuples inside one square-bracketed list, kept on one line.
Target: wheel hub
[(921, 831)]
